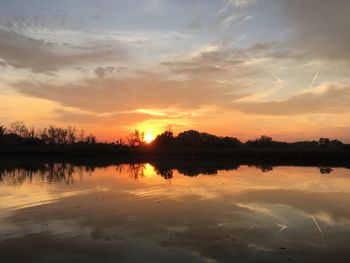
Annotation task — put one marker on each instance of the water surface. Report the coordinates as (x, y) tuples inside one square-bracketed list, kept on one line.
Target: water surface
[(153, 213)]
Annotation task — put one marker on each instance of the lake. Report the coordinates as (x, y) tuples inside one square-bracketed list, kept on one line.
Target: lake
[(174, 212)]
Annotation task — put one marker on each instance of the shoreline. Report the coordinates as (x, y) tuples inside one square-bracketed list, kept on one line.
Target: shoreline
[(239, 156)]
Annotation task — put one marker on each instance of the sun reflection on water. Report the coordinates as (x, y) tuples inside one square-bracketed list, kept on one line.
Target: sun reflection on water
[(149, 171)]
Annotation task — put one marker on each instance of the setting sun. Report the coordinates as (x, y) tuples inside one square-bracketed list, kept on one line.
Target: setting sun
[(149, 138)]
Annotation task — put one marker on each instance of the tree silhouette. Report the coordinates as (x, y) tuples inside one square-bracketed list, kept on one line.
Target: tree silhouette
[(81, 136), (263, 141), (2, 130), (19, 128), (90, 139), (191, 142), (194, 138), (43, 135), (136, 139), (324, 141), (120, 142), (71, 133), (165, 139)]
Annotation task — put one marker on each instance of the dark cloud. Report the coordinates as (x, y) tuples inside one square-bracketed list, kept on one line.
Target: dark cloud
[(101, 72), (319, 27), (21, 51)]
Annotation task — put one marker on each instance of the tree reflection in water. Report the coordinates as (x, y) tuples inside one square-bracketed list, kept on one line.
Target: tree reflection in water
[(49, 173), (67, 172)]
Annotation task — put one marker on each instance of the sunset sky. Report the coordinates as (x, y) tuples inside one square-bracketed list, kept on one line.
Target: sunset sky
[(230, 67)]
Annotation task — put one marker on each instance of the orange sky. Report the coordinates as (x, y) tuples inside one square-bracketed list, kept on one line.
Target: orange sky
[(233, 67)]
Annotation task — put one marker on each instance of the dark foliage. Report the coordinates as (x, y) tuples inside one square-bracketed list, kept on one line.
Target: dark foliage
[(18, 139), (194, 139)]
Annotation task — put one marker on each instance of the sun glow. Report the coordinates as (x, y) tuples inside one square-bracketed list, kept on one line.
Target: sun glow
[(149, 137)]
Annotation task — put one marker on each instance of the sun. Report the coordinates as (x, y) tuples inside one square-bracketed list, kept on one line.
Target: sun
[(149, 138)]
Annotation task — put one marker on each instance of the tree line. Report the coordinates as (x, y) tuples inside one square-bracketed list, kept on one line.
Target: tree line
[(18, 134), (196, 139)]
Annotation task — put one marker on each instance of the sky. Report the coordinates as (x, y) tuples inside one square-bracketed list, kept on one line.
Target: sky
[(242, 68)]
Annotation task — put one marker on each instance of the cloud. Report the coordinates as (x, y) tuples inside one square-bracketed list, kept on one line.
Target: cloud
[(210, 60), (325, 99), (3, 64), (241, 3), (101, 72), (21, 51), (146, 90), (241, 68), (16, 17), (123, 118), (319, 27)]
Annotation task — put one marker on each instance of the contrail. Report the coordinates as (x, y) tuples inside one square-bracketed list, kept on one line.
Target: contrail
[(273, 75), (283, 228), (313, 81), (266, 69), (270, 72), (318, 227)]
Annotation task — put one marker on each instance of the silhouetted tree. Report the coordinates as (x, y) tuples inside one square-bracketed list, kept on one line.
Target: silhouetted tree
[(324, 141), (62, 138), (189, 138), (230, 141), (52, 134), (120, 142), (136, 138), (165, 139), (305, 144), (19, 135), (71, 134), (19, 128), (90, 139), (263, 141), (194, 138), (43, 135), (336, 143), (32, 134), (81, 136), (2, 132)]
